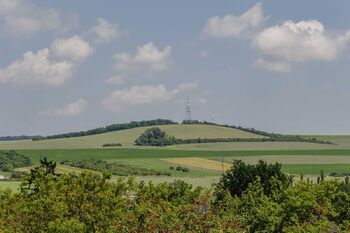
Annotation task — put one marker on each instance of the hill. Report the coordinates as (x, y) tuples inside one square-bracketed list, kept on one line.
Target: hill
[(127, 137)]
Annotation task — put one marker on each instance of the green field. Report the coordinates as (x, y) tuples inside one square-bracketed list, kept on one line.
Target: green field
[(296, 157)]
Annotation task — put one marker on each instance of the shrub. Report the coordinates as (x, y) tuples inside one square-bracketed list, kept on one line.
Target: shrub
[(179, 168), (112, 145), (185, 169)]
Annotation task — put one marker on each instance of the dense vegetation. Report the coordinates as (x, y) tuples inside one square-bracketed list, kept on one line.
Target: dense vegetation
[(48, 202), (156, 137), (10, 160), (114, 168), (110, 128)]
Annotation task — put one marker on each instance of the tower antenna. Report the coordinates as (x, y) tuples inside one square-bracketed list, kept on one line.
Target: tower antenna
[(188, 110)]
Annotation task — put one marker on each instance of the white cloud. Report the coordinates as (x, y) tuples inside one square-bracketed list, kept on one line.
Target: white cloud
[(141, 95), (73, 48), (105, 31), (277, 66), (147, 61), (234, 26), (69, 110), (47, 66), (301, 41), (20, 17), (36, 68)]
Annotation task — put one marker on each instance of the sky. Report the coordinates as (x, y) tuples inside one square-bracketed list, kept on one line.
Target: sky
[(279, 66)]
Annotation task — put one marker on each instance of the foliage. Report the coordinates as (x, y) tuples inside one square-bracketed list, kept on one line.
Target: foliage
[(110, 128), (155, 137), (11, 159), (237, 179), (118, 169), (183, 169), (88, 202)]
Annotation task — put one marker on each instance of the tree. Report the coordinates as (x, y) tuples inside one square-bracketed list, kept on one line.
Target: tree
[(155, 137), (237, 179)]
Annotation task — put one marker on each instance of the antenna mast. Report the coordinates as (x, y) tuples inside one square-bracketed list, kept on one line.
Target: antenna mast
[(188, 110)]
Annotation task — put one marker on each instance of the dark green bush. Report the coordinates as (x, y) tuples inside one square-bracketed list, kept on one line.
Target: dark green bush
[(185, 169)]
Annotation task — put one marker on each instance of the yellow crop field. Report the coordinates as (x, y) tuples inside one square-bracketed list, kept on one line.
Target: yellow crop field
[(199, 163)]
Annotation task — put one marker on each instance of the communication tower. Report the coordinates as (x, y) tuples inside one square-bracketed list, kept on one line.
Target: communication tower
[(188, 110)]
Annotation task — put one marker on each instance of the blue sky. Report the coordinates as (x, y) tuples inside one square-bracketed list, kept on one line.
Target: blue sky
[(279, 66)]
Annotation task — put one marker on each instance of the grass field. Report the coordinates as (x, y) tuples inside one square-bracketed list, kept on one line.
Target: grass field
[(13, 185)]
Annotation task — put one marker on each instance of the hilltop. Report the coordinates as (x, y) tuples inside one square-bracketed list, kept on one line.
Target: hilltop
[(127, 137)]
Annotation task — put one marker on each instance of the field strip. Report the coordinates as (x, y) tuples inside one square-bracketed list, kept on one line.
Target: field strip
[(199, 163), (291, 159)]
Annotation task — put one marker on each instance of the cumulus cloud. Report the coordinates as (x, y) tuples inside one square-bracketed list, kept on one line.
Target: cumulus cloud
[(147, 61), (105, 31), (298, 42), (36, 68), (235, 26), (20, 17), (69, 110), (73, 48), (47, 66), (141, 95)]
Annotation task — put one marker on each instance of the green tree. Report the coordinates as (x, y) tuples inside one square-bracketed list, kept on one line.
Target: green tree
[(237, 179)]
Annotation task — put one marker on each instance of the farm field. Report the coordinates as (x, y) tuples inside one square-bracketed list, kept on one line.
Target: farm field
[(203, 160), (295, 161)]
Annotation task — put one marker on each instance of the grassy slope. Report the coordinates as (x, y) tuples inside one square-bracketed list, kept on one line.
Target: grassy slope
[(127, 137)]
